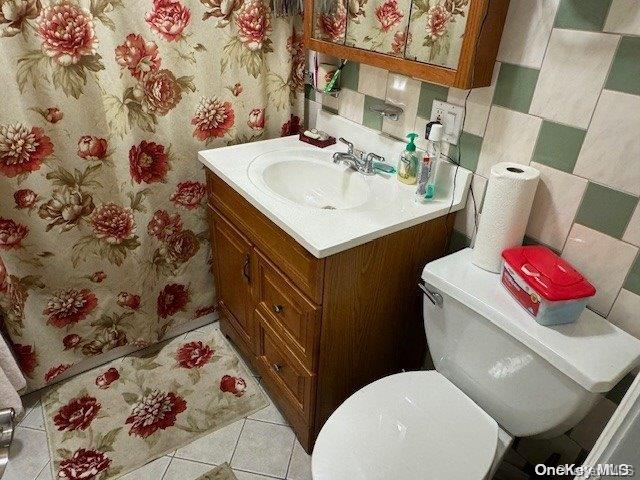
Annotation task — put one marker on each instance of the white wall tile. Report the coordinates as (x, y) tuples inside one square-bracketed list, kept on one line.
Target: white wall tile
[(478, 104), (510, 137), (402, 91), (555, 205), (351, 105), (572, 75), (465, 218), (624, 17), (624, 313), (610, 153), (526, 31), (329, 101), (632, 233), (588, 430), (588, 250), (372, 81)]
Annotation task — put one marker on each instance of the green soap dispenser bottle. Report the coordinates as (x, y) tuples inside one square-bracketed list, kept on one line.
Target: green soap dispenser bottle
[(409, 162)]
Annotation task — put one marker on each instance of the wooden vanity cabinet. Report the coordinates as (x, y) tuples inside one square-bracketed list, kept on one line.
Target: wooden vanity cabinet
[(317, 330)]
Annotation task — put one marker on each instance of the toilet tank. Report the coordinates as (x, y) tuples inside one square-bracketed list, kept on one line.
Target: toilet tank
[(533, 380)]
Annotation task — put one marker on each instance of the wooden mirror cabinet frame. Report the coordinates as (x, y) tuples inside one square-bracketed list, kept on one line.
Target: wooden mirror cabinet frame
[(470, 73)]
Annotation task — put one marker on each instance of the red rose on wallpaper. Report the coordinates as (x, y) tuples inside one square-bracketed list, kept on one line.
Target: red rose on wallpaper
[(113, 223), (400, 40), (22, 149), (189, 194), (107, 378), (182, 245), (161, 92), (71, 341), (11, 234), (77, 414), (25, 198), (138, 55), (129, 300), (83, 465), (194, 355), (70, 306), (66, 31), (254, 23), (256, 119), (148, 162), (333, 25), (388, 14), (291, 127), (53, 115), (235, 385), (162, 224), (53, 372), (212, 119), (173, 298), (168, 18), (92, 148), (98, 277), (26, 357), (156, 411), (437, 20)]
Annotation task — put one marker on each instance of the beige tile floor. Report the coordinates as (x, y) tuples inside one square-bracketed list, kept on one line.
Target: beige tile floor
[(259, 447)]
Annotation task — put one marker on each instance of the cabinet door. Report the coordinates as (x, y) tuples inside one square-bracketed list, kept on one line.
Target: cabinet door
[(233, 254)]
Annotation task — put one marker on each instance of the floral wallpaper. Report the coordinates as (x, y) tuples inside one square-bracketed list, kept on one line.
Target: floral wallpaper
[(103, 232), (436, 31)]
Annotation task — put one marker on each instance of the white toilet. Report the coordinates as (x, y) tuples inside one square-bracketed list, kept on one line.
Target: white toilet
[(498, 374)]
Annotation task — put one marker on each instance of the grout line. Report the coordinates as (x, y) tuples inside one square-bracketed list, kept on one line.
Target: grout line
[(32, 428), (290, 456), (237, 441), (48, 464), (254, 473)]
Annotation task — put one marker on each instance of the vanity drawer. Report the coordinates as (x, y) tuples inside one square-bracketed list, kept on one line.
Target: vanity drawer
[(305, 270), (294, 317), (282, 371)]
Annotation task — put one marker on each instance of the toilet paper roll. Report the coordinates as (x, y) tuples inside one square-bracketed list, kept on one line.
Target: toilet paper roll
[(505, 213), (326, 71)]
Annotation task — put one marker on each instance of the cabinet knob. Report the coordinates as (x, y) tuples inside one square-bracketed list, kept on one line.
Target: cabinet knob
[(277, 367), (278, 308)]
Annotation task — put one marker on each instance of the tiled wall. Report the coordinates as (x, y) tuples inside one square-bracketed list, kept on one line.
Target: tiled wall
[(565, 98)]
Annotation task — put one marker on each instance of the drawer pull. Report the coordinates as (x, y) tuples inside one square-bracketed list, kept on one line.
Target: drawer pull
[(278, 308), (277, 367)]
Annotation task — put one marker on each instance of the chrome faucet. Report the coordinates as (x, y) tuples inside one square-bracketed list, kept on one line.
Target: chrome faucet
[(356, 160)]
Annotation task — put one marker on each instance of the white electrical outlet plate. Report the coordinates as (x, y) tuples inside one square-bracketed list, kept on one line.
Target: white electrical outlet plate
[(451, 118)]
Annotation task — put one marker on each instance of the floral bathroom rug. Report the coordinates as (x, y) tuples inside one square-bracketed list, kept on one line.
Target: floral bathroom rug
[(111, 420), (221, 472)]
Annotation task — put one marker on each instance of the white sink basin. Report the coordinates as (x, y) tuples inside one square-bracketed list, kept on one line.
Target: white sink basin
[(309, 178)]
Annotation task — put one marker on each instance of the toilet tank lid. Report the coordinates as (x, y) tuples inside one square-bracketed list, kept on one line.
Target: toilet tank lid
[(593, 352)]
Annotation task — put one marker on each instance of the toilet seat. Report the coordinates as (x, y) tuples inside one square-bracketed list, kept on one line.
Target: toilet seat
[(409, 426)]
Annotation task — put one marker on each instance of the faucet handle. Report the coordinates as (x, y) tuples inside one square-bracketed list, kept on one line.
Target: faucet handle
[(373, 157), (348, 144)]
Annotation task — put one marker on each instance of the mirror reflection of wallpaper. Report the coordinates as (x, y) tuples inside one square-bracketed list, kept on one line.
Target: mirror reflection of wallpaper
[(378, 25), (330, 20), (436, 31)]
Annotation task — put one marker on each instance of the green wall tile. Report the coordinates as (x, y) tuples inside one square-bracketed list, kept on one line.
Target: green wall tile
[(582, 14), (371, 119), (470, 146), (515, 87), (428, 93), (458, 241), (632, 283), (558, 146), (606, 210), (350, 75), (624, 75), (617, 392)]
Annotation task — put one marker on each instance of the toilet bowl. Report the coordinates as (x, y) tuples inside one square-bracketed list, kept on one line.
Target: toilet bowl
[(499, 374)]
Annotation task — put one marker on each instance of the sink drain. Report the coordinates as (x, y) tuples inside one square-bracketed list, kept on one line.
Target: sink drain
[(328, 207)]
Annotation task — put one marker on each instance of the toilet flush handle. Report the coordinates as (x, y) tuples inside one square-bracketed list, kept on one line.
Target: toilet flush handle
[(434, 297)]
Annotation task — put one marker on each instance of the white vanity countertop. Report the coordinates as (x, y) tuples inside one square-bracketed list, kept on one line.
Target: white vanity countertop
[(326, 232)]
